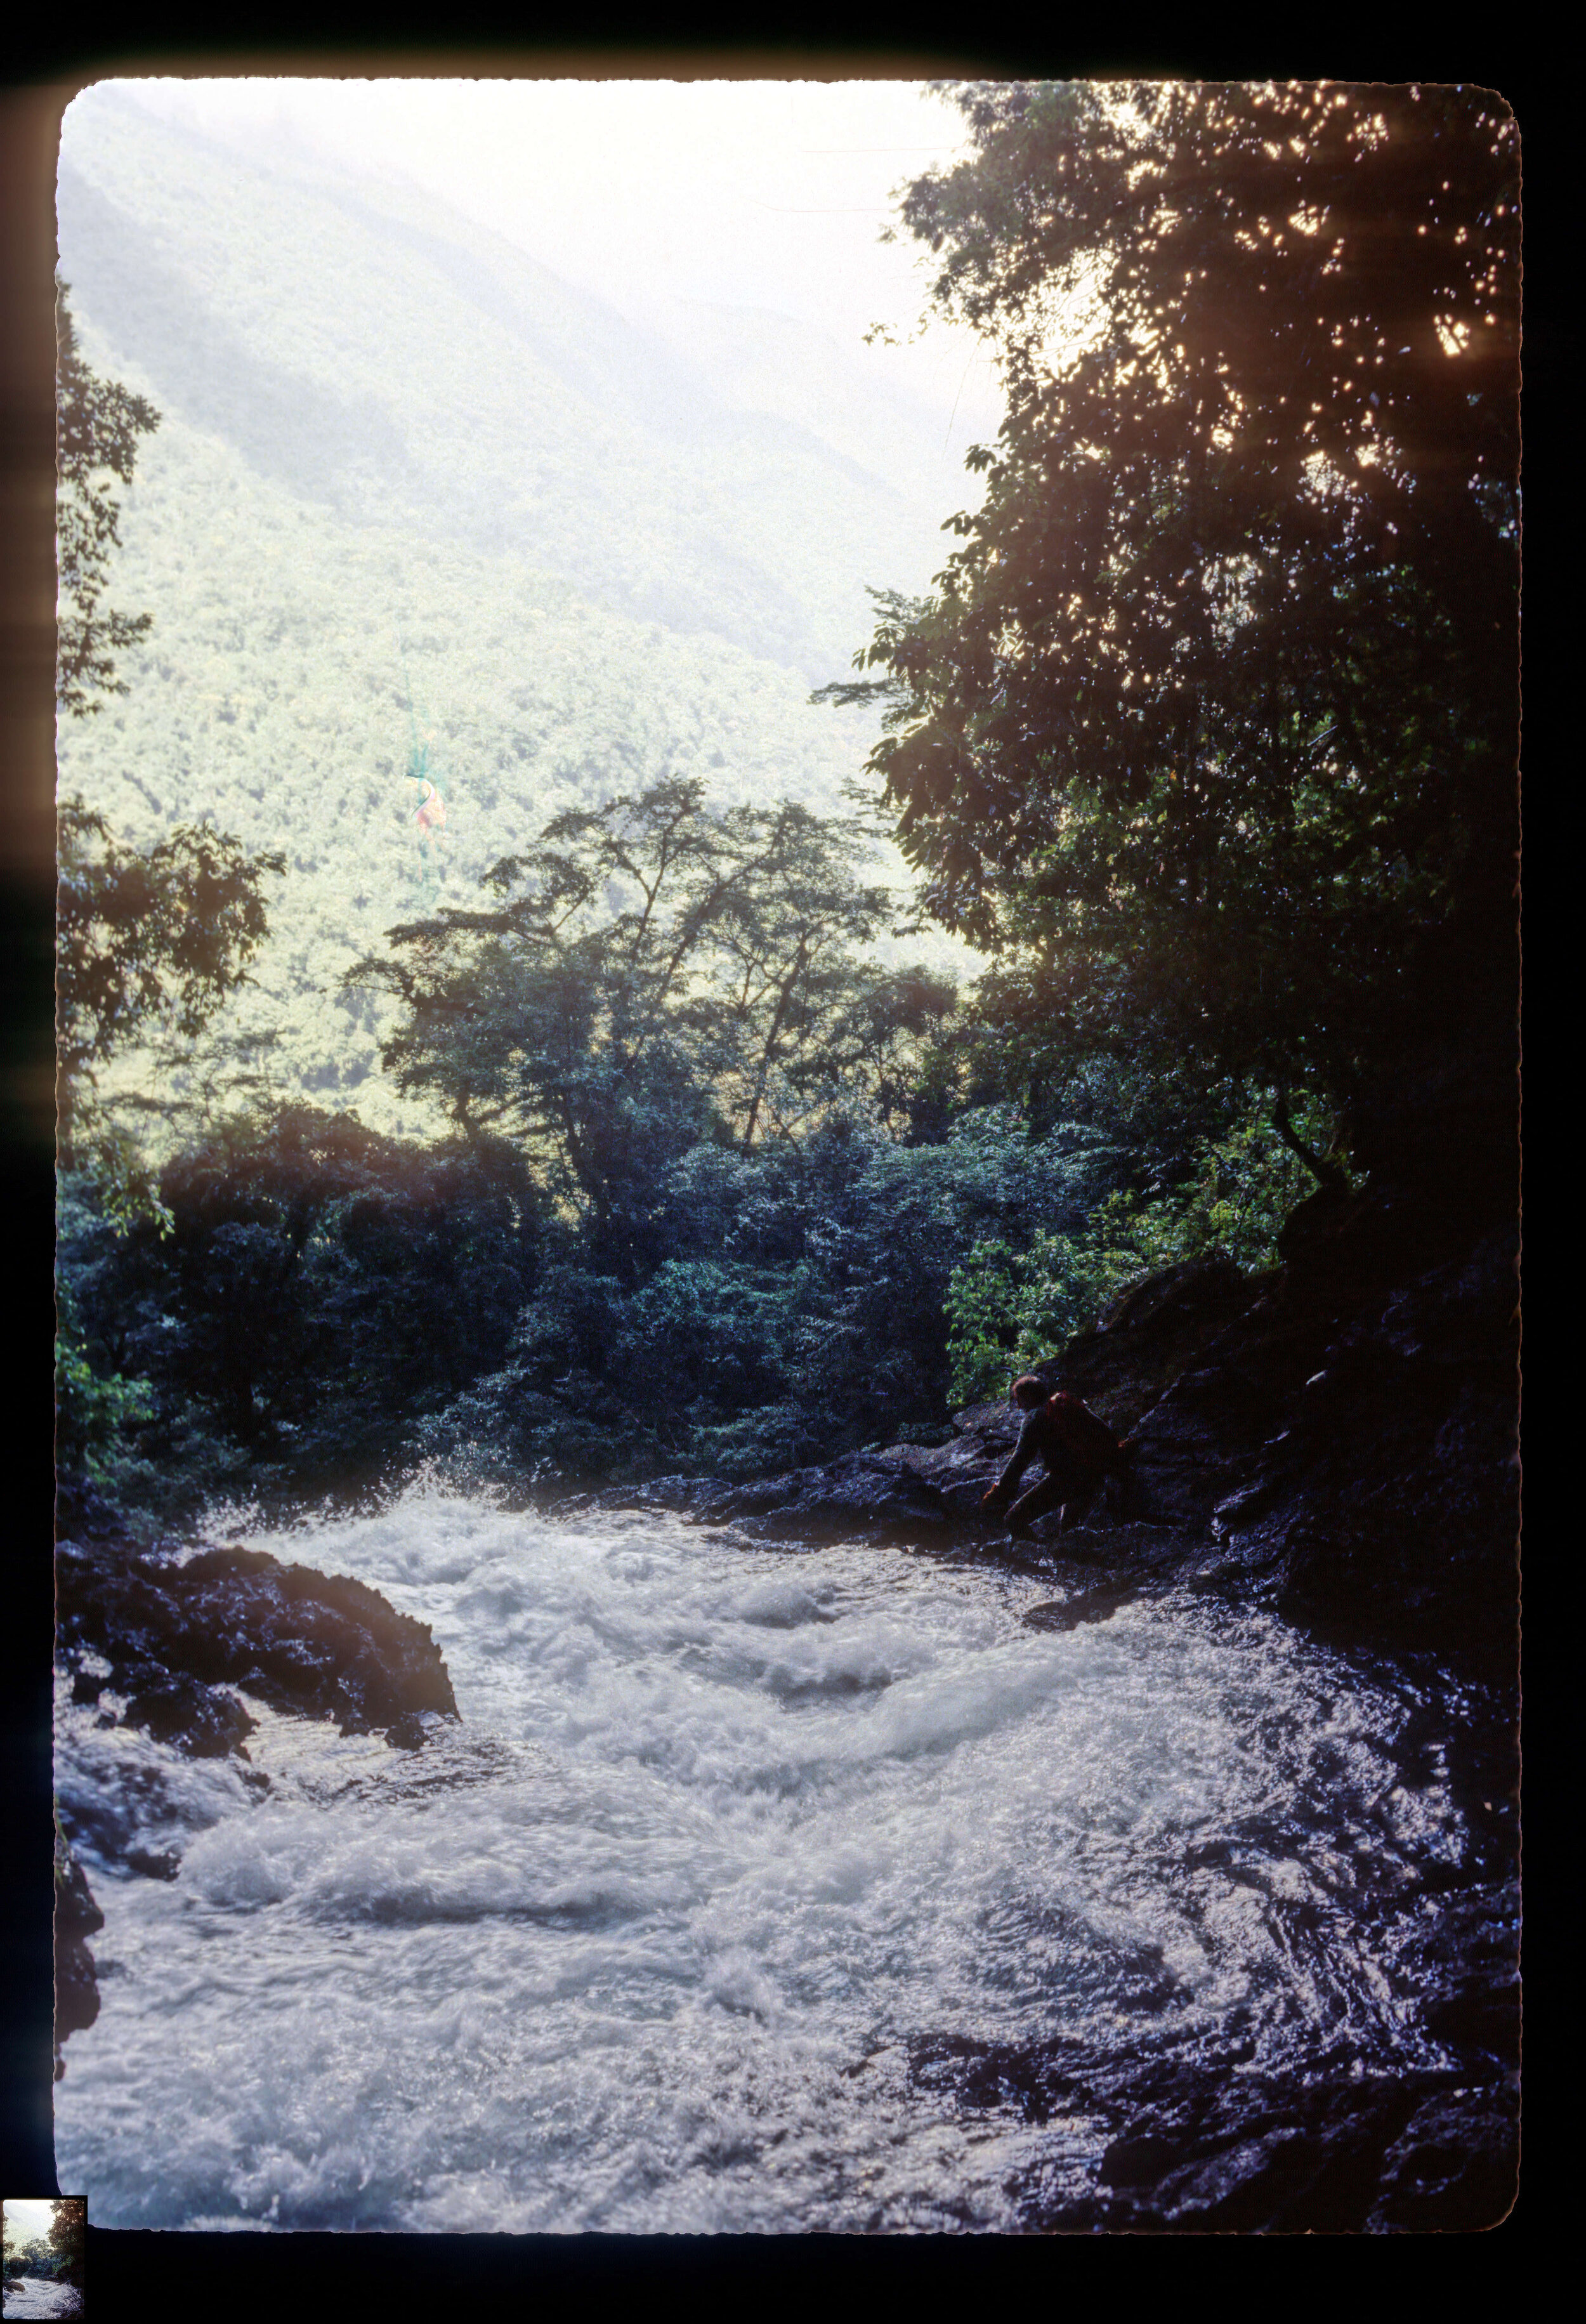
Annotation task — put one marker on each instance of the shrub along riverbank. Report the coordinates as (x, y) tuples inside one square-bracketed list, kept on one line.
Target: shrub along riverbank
[(318, 1309)]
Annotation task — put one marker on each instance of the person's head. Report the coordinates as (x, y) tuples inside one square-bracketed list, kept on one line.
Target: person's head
[(1030, 1392)]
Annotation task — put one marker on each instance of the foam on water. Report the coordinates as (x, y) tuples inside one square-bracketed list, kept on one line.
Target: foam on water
[(726, 1839)]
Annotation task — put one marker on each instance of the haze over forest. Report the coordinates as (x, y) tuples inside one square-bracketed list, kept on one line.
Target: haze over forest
[(412, 489)]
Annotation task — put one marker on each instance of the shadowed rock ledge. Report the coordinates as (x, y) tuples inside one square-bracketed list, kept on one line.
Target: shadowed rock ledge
[(1336, 1436), (180, 1635)]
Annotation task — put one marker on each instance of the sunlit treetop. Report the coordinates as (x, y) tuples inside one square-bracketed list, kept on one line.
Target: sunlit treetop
[(1223, 675), (1299, 270)]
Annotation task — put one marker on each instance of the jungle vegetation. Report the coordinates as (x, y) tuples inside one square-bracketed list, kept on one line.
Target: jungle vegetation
[(694, 1155)]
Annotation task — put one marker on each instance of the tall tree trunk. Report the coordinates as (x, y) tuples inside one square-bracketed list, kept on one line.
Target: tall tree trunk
[(1326, 1173)]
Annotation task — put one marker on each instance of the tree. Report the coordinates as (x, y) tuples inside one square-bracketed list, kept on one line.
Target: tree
[(69, 2238), (327, 1281), (309, 1294), (98, 423), (653, 973), (148, 944), (1208, 729)]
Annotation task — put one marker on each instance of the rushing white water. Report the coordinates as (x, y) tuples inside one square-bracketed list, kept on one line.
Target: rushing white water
[(727, 1841), (37, 2295)]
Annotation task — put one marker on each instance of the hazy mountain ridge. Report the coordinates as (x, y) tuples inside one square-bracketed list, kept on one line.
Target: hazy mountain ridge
[(373, 349), (757, 359), (301, 526), (272, 697)]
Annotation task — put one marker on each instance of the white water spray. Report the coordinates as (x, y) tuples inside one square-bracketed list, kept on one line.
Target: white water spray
[(729, 1846)]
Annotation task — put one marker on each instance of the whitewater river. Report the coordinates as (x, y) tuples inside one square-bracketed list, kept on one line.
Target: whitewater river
[(36, 2295), (730, 1846)]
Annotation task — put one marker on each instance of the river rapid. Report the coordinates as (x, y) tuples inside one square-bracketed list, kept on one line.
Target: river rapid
[(734, 1853), (37, 2295)]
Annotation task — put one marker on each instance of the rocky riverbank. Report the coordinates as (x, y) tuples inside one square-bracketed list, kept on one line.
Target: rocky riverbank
[(169, 1640), (1333, 1440), (1337, 1439), (1332, 1436)]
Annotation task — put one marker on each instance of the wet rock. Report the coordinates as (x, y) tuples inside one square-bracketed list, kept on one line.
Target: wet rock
[(1468, 1962), (864, 1497), (180, 1635), (204, 1720), (1098, 1605), (415, 1729), (1453, 2166), (1389, 1504), (77, 1918), (679, 1496), (960, 1472), (1200, 2144), (1283, 2156), (1192, 1446), (1152, 1333), (154, 1863)]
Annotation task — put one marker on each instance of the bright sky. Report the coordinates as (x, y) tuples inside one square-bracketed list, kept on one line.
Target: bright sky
[(26, 2221), (756, 193)]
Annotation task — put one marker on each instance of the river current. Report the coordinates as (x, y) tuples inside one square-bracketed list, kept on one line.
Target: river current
[(729, 1844)]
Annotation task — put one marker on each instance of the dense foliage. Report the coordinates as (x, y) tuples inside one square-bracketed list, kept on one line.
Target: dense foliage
[(800, 1311), (1209, 727), (673, 1154), (311, 1292), (1011, 1305), (653, 971), (148, 946)]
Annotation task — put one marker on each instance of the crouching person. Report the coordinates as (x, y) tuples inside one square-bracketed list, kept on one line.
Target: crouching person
[(1077, 1450)]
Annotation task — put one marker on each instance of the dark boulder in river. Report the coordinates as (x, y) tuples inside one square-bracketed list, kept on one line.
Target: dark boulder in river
[(179, 1633), (77, 1918)]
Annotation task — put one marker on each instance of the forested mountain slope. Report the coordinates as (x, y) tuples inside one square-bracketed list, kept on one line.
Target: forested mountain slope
[(397, 458)]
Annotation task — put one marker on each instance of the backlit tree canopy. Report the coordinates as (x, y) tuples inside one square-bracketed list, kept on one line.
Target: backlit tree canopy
[(1211, 722), (654, 972), (148, 946)]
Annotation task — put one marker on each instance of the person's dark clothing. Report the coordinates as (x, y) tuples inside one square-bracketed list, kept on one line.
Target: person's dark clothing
[(1077, 1450)]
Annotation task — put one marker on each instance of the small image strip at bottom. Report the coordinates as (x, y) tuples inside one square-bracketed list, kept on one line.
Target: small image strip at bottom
[(45, 2254)]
